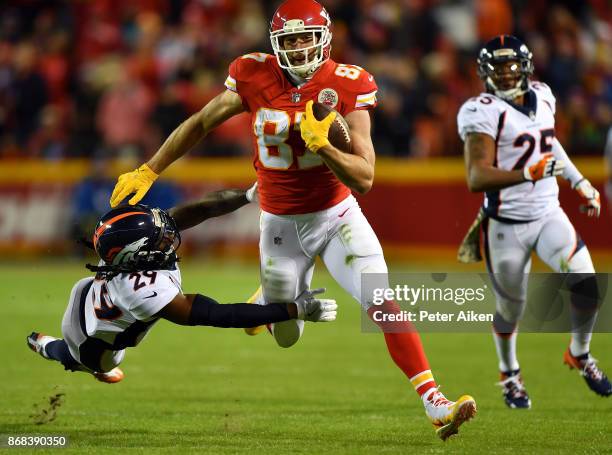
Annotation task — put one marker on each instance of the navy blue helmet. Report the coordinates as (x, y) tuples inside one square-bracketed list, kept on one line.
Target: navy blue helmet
[(135, 237), (505, 64)]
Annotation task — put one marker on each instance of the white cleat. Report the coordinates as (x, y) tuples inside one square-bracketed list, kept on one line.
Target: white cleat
[(447, 416), (37, 342)]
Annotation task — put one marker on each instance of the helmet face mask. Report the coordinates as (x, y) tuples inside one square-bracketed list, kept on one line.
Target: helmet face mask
[(505, 65), (134, 238), (307, 21)]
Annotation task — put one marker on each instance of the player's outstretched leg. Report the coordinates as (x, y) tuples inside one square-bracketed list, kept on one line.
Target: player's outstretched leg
[(406, 350), (513, 390), (587, 367), (447, 416), (37, 343), (52, 348)]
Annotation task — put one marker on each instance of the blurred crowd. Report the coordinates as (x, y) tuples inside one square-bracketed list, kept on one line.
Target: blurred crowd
[(113, 78)]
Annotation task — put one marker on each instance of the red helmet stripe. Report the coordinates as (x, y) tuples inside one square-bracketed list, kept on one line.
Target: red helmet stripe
[(108, 223)]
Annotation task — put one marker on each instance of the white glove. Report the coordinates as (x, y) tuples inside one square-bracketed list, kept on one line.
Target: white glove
[(251, 194), (548, 166), (315, 310), (591, 195)]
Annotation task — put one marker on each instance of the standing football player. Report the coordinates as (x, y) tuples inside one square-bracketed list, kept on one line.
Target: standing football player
[(305, 183), (138, 282), (513, 156)]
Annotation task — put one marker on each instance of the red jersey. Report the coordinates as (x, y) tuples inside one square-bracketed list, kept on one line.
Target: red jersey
[(293, 180)]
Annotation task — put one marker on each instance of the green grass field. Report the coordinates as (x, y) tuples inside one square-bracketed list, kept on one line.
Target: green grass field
[(204, 390)]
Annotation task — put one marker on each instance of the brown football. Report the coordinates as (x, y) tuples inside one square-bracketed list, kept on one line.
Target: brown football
[(339, 132)]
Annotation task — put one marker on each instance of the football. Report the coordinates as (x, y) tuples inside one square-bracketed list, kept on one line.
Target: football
[(339, 132)]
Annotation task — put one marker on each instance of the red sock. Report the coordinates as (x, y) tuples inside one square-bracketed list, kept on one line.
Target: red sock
[(405, 348)]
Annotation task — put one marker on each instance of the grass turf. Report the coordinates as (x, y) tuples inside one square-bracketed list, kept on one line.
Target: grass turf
[(208, 390)]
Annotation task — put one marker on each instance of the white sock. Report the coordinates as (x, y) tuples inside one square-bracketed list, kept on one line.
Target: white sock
[(506, 351), (580, 344)]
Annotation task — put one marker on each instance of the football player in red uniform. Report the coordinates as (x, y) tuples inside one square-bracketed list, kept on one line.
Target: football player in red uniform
[(305, 183)]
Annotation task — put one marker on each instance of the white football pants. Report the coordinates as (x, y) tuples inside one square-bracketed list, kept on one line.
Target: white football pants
[(289, 244), (508, 250)]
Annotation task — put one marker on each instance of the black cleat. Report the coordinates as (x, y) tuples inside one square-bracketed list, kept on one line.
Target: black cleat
[(586, 365), (513, 389)]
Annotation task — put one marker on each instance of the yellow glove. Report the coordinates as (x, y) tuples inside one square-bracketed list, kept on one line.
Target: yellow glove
[(314, 132), (138, 181)]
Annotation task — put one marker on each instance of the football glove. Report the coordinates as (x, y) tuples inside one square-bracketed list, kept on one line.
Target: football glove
[(469, 250), (138, 181), (314, 132), (548, 166), (591, 195), (315, 310), (251, 194)]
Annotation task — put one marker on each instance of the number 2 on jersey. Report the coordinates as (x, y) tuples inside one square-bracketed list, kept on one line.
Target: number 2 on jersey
[(104, 307), (546, 138)]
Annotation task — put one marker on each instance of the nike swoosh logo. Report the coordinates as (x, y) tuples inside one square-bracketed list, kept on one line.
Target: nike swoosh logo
[(343, 213), (472, 110), (152, 295)]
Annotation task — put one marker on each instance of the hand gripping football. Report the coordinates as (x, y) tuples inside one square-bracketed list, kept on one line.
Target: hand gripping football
[(339, 133)]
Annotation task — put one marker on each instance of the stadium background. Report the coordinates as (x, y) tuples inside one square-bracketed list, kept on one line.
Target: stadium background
[(89, 89)]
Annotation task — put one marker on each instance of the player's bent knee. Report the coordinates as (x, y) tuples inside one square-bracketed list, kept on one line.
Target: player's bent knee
[(510, 310), (585, 292), (287, 333), (279, 279), (373, 274)]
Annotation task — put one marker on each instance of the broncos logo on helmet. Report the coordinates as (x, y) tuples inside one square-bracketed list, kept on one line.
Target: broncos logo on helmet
[(134, 238), (505, 64)]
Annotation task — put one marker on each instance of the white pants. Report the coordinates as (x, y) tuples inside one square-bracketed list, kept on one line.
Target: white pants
[(289, 244), (90, 352), (508, 250)]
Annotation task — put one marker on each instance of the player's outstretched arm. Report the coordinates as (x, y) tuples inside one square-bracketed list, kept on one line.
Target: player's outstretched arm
[(482, 175), (213, 204), (356, 169), (196, 309), (182, 139)]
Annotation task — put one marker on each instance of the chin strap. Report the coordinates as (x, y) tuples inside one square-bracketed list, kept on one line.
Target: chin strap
[(510, 94)]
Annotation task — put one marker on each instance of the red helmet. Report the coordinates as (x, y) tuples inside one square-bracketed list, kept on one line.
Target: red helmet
[(299, 17)]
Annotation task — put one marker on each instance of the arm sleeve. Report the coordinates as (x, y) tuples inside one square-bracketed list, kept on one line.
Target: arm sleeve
[(365, 97), (475, 117), (230, 82), (240, 79), (571, 172), (207, 311)]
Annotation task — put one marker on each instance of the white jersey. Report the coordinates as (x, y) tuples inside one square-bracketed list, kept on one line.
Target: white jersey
[(120, 311), (521, 136)]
